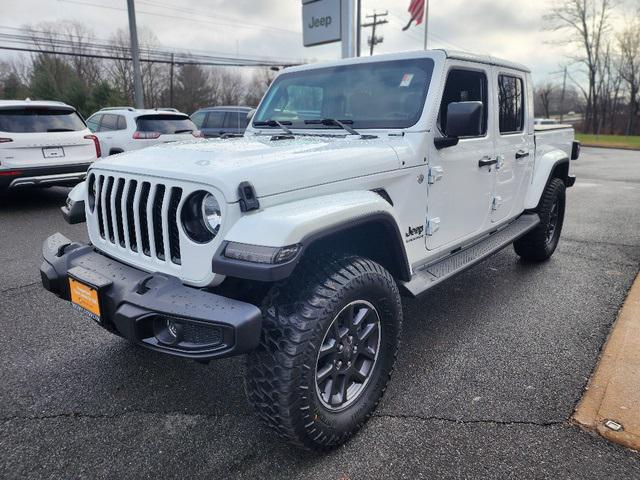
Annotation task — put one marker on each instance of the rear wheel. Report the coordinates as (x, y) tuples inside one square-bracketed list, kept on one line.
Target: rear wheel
[(540, 243), (330, 339)]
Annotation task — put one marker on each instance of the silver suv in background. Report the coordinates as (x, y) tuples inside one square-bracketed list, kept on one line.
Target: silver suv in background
[(222, 121), (121, 129)]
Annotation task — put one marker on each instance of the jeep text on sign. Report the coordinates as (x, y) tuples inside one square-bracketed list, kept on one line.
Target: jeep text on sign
[(320, 22)]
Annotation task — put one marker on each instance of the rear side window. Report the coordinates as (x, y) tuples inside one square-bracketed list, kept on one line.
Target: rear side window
[(122, 122), (511, 101), (165, 124), (40, 120), (215, 119), (235, 120), (111, 122), (464, 86)]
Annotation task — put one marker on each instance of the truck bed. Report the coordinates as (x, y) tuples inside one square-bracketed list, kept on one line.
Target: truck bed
[(552, 137)]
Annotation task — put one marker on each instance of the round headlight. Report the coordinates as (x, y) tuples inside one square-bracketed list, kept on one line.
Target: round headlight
[(211, 213), (201, 216)]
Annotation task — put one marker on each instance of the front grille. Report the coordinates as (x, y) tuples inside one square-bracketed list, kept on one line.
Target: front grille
[(139, 216)]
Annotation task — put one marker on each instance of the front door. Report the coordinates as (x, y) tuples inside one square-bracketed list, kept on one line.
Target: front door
[(514, 145), (460, 185)]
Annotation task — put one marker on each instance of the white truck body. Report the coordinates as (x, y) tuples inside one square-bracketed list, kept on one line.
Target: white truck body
[(297, 181), (355, 182)]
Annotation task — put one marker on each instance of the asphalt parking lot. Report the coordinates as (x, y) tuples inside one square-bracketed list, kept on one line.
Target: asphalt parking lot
[(490, 370)]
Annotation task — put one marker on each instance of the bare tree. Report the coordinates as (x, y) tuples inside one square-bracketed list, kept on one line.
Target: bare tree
[(544, 95), (588, 23), (629, 47)]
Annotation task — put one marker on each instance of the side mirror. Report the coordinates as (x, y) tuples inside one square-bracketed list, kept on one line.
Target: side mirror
[(464, 119), (250, 114)]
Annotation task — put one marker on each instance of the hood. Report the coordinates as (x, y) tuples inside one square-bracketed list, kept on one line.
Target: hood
[(271, 166)]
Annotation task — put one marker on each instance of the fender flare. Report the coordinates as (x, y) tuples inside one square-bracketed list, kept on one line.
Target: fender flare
[(307, 222), (545, 170)]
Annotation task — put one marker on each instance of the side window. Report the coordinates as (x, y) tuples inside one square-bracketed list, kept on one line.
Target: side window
[(109, 122), (511, 104), (464, 86), (232, 120), (122, 123), (198, 118), (214, 119), (94, 122)]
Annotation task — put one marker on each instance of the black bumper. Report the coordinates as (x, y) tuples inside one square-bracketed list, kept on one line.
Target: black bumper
[(138, 305)]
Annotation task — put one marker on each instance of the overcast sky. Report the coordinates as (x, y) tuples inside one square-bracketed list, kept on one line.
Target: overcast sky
[(272, 28)]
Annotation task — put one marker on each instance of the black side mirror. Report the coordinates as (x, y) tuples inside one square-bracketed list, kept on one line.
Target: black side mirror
[(464, 119)]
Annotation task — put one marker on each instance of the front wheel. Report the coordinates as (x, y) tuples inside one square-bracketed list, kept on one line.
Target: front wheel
[(329, 343), (540, 243)]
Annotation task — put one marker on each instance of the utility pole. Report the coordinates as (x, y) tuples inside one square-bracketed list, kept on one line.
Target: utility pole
[(135, 56), (564, 88), (171, 81), (373, 41)]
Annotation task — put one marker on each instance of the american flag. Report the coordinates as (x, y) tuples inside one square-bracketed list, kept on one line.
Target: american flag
[(416, 9)]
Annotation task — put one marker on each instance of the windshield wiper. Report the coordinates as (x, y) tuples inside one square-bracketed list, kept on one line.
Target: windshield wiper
[(339, 123), (275, 123), (49, 130), (184, 130)]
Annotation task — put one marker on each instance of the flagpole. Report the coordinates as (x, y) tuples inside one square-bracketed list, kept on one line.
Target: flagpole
[(426, 22)]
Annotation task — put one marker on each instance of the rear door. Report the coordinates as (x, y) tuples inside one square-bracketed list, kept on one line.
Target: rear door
[(514, 143), (460, 189), (34, 136)]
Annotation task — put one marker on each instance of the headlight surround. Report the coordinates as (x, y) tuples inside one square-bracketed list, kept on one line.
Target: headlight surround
[(91, 192), (201, 216)]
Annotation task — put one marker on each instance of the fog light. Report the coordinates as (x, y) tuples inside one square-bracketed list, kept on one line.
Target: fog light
[(172, 328)]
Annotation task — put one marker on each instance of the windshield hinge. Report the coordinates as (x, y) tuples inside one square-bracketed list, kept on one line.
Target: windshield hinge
[(248, 200)]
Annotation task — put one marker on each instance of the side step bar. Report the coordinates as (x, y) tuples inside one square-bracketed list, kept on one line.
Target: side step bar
[(431, 275)]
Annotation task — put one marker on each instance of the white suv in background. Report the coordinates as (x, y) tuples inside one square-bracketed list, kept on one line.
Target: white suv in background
[(43, 143), (121, 129)]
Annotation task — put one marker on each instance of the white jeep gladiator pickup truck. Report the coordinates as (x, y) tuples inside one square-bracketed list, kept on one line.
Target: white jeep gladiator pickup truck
[(356, 182)]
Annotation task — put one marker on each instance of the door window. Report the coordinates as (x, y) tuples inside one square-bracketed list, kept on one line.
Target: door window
[(122, 123), (109, 122), (214, 119), (511, 101), (198, 118), (464, 86), (94, 122)]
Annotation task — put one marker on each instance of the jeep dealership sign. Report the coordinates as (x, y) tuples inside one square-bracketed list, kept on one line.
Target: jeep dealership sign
[(320, 22)]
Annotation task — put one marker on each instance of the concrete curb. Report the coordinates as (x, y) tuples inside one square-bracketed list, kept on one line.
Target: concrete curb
[(610, 147), (611, 402)]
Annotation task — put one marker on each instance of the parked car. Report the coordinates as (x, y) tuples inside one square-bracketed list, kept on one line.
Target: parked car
[(222, 121), (121, 129), (43, 143), (407, 169)]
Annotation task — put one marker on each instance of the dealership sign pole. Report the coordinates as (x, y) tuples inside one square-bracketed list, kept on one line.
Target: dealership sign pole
[(328, 21)]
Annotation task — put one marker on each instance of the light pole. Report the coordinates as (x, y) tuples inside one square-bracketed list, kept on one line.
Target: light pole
[(135, 56)]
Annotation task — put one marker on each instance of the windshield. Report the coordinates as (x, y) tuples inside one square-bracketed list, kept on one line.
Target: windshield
[(40, 120), (367, 95), (165, 124)]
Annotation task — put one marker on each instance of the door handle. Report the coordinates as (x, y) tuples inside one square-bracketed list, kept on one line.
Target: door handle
[(521, 154), (486, 161)]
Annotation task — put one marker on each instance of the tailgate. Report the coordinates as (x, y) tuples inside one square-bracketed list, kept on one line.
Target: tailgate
[(45, 149)]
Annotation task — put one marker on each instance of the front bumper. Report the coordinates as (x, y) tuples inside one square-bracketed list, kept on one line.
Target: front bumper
[(137, 305)]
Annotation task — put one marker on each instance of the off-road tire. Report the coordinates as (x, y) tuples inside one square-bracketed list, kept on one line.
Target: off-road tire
[(540, 243), (297, 314)]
